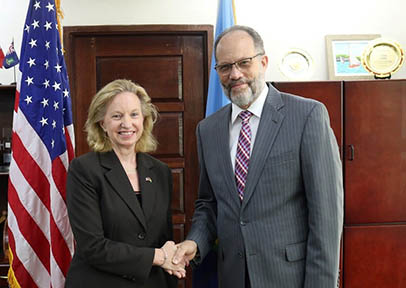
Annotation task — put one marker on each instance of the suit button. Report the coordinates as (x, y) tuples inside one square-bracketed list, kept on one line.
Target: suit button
[(141, 236), (240, 254), (242, 223)]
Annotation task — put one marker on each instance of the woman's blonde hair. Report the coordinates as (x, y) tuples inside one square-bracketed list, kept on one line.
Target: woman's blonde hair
[(97, 138)]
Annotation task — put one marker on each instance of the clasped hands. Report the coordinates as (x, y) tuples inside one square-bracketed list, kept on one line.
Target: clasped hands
[(174, 258)]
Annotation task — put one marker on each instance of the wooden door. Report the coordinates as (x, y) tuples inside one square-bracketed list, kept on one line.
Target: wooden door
[(171, 63), (375, 184)]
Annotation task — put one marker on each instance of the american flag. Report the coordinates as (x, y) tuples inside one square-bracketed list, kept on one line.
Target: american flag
[(40, 237)]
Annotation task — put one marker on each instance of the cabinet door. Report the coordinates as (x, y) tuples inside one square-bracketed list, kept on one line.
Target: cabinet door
[(375, 164), (374, 256), (375, 184)]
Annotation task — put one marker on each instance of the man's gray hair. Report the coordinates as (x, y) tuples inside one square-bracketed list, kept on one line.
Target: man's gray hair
[(258, 43)]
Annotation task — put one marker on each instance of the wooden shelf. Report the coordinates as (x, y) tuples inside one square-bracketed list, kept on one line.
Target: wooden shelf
[(7, 87)]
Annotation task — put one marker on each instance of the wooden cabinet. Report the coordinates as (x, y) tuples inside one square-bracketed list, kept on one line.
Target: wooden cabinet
[(375, 184), (373, 130)]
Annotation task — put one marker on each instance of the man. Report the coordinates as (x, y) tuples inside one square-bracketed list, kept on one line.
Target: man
[(280, 223)]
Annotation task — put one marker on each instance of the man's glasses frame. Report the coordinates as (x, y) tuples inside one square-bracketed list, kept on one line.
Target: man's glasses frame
[(242, 64)]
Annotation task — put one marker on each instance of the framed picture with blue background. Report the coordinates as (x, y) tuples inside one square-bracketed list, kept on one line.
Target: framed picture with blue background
[(344, 54)]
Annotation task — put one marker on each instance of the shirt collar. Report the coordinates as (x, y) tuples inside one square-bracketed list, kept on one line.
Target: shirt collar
[(255, 108)]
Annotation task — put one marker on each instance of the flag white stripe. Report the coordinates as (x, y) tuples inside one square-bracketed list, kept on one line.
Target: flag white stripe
[(57, 277), (65, 159), (71, 132)]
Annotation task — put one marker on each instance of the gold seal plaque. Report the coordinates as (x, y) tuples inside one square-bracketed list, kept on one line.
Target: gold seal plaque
[(382, 57), (296, 64)]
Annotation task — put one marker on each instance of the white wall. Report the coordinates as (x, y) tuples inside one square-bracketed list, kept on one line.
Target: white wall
[(283, 24)]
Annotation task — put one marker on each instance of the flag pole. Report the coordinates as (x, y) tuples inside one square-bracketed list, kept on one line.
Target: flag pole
[(234, 14), (15, 80)]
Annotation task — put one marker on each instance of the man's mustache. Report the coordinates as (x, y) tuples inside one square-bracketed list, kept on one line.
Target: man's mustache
[(237, 82)]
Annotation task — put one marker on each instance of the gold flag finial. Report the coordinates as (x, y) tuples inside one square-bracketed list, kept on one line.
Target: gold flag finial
[(59, 16)]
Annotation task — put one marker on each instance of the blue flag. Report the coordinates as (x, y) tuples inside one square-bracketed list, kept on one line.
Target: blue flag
[(215, 97), (11, 58), (205, 275)]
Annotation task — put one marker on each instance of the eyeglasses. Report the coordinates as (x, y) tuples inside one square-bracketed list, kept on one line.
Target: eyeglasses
[(242, 65)]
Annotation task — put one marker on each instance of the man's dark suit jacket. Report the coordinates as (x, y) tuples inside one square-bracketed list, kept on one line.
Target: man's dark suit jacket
[(116, 236), (286, 232)]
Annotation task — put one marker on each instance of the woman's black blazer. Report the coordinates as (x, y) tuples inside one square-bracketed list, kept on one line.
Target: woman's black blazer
[(115, 235)]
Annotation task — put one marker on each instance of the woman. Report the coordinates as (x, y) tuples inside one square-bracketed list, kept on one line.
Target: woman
[(119, 197)]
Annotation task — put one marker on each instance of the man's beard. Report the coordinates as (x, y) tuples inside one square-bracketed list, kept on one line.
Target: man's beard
[(245, 98)]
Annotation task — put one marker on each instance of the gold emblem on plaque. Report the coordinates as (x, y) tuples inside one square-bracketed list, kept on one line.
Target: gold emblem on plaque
[(296, 64), (382, 57)]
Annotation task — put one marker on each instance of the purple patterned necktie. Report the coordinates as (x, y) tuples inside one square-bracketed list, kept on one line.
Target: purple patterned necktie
[(242, 159)]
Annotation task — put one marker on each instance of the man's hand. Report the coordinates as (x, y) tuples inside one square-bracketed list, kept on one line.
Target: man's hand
[(186, 251), (168, 251)]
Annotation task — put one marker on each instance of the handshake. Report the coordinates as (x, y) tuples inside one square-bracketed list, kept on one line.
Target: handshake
[(174, 258)]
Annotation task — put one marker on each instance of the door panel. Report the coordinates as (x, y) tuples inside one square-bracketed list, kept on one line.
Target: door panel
[(374, 256), (152, 71), (170, 126), (171, 63)]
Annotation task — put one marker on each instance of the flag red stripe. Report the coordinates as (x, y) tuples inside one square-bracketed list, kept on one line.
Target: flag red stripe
[(69, 145), (59, 176), (59, 248), (31, 171), (19, 270), (17, 100), (29, 229)]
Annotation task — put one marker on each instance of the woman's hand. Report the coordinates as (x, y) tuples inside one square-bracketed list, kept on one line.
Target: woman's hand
[(163, 257)]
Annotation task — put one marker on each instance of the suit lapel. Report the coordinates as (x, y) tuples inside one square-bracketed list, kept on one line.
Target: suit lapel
[(116, 176), (269, 125), (148, 184), (223, 145)]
